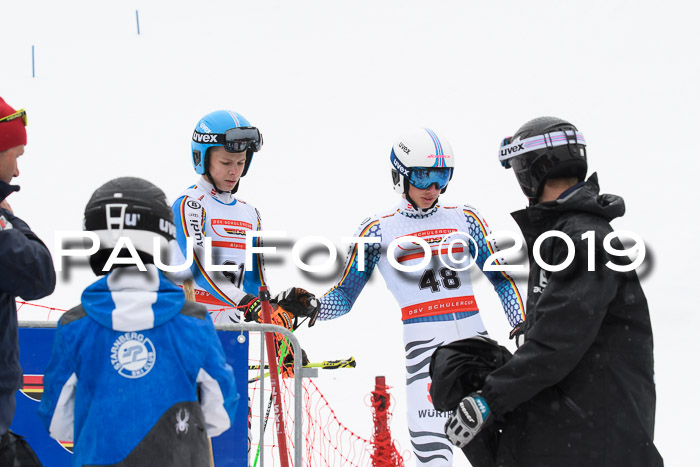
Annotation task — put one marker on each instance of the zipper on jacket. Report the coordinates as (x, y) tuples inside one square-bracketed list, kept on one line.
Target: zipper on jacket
[(572, 405)]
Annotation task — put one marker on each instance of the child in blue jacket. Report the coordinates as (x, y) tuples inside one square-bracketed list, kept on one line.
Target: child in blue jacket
[(137, 374)]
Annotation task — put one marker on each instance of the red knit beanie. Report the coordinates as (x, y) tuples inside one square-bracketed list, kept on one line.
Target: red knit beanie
[(12, 133)]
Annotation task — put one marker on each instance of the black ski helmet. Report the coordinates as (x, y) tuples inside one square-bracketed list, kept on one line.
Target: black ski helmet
[(545, 147), (128, 207)]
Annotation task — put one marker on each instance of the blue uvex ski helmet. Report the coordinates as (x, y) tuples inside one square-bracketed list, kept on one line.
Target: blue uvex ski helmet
[(224, 128)]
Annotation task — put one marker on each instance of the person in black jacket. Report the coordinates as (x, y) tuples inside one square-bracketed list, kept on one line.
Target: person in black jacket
[(580, 390), (26, 269)]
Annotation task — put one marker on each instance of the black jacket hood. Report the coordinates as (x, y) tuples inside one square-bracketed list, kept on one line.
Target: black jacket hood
[(586, 199)]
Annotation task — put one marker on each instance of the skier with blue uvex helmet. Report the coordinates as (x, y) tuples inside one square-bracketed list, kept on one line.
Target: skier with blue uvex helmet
[(223, 145)]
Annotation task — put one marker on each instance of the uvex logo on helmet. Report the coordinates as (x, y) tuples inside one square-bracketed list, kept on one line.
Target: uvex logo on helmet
[(404, 148), (512, 149), (166, 226), (201, 138), (402, 170)]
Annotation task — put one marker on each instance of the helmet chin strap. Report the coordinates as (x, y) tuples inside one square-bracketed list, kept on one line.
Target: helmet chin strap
[(213, 183)]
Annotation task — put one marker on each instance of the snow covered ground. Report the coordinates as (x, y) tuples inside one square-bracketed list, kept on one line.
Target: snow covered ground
[(331, 84)]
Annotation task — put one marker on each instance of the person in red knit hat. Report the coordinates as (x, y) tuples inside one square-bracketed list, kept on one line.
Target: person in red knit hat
[(26, 270), (13, 138)]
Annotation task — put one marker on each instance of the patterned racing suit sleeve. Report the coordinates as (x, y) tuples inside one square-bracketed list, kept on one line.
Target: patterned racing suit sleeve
[(340, 299), (502, 283), (190, 220)]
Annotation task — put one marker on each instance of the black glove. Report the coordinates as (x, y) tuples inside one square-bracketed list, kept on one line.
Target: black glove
[(516, 332), (300, 303), (251, 307)]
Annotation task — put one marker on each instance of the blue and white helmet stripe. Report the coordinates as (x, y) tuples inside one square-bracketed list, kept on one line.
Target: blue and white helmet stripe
[(439, 162), (237, 118)]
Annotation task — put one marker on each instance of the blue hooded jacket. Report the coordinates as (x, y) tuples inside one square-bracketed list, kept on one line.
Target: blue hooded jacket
[(126, 372)]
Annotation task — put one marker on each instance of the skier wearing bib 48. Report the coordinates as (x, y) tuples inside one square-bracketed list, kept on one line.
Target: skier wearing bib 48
[(437, 301)]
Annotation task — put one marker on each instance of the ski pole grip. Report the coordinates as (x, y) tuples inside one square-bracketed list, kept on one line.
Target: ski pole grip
[(264, 294)]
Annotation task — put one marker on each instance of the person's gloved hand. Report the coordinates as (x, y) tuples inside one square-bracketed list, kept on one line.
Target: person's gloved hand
[(470, 416), (517, 332), (287, 362), (300, 303), (251, 307)]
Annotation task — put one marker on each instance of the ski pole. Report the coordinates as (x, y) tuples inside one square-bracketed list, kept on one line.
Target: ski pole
[(326, 364), (267, 416), (264, 296), (267, 412)]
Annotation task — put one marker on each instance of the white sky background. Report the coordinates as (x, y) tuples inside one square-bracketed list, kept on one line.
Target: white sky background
[(331, 84)]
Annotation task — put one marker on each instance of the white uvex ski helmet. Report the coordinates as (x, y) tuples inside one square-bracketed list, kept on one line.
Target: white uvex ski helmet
[(419, 148)]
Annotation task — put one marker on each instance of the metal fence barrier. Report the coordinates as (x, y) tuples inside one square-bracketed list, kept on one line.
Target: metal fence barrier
[(263, 329)]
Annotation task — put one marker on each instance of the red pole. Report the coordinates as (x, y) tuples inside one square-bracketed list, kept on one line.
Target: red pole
[(381, 455), (274, 375), (384, 453)]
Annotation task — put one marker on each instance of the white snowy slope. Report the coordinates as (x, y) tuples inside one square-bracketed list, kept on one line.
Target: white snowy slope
[(331, 84)]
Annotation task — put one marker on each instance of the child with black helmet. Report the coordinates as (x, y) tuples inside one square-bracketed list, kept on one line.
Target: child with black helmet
[(126, 363)]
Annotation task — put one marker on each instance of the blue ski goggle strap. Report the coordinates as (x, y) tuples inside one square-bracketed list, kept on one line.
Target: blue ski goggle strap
[(510, 148), (234, 140), (424, 177)]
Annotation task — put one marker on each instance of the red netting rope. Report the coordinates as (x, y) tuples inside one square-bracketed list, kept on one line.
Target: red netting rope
[(20, 304), (384, 452)]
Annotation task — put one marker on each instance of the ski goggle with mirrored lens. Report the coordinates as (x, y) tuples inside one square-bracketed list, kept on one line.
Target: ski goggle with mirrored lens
[(424, 177), (234, 140), (21, 113), (243, 138)]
